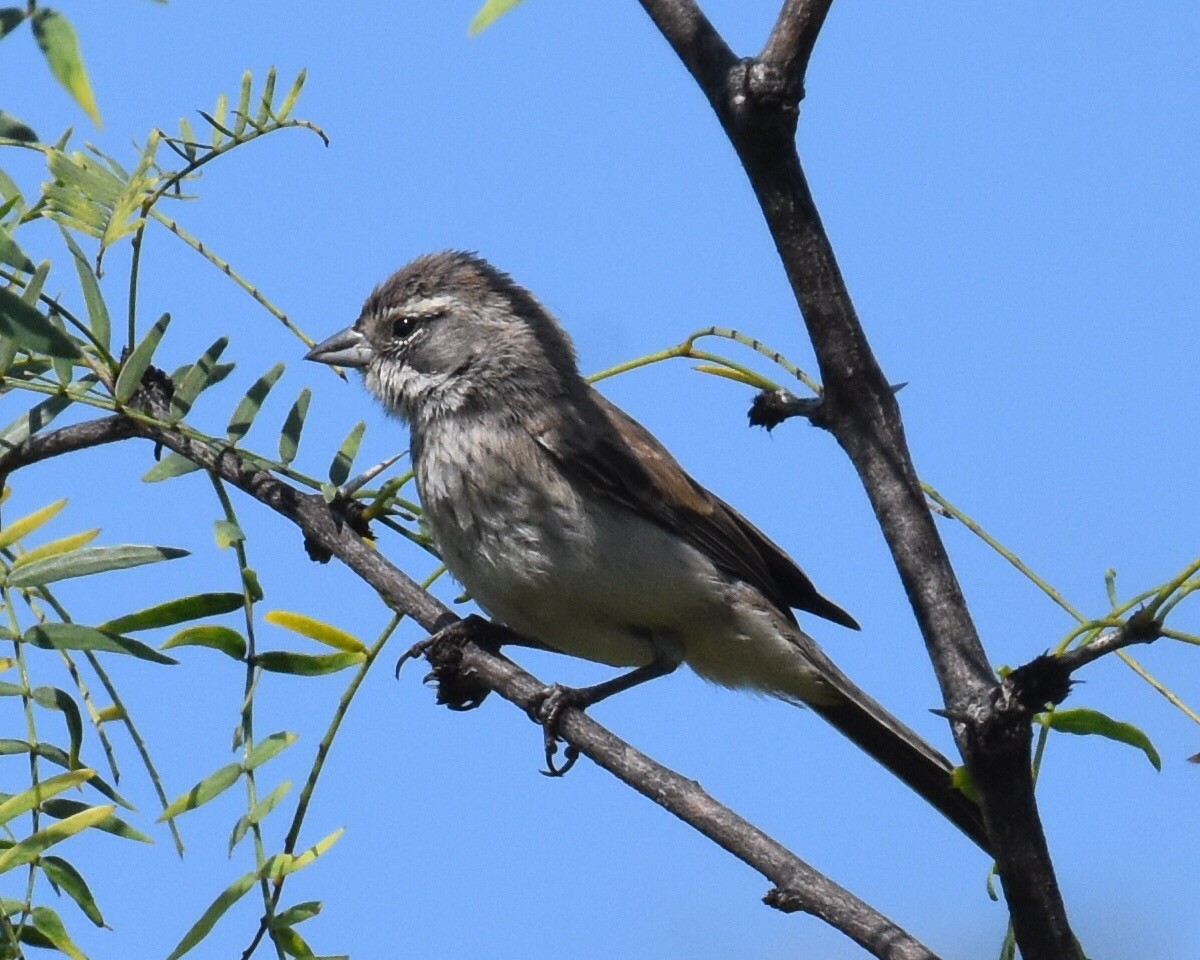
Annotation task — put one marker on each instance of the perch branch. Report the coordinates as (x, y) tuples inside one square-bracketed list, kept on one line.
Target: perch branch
[(797, 885)]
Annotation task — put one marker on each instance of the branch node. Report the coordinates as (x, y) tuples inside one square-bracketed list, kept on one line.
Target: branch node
[(763, 96), (1143, 626), (1044, 679), (771, 407), (786, 900)]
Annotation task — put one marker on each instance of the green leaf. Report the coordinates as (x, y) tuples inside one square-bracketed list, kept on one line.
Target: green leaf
[(217, 909), (220, 131), (10, 253), (242, 114), (261, 810), (32, 329), (32, 420), (960, 778), (225, 639), (59, 756), (258, 813), (28, 369), (280, 865), (289, 440), (267, 748), (1085, 721), (10, 746), (748, 377), (195, 607), (52, 698), (294, 915), (36, 283), (171, 465), (488, 14), (35, 796), (8, 354), (64, 370), (138, 362), (34, 938), (317, 630), (64, 876), (11, 192), (32, 846), (56, 37), (250, 581), (264, 103), (251, 403), (289, 100), (990, 883), (227, 533), (211, 786), (62, 808), (101, 325), (56, 547), (198, 376), (187, 148), (10, 19), (75, 636), (49, 925), (14, 531), (15, 129), (291, 943), (89, 560), (306, 665), (339, 469)]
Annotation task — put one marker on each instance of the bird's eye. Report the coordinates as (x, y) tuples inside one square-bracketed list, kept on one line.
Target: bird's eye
[(404, 326)]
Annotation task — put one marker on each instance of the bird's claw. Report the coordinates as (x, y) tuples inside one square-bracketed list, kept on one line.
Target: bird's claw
[(416, 651), (457, 688), (547, 711)]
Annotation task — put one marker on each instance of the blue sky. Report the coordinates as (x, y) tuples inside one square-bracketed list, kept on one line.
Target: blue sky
[(1011, 193)]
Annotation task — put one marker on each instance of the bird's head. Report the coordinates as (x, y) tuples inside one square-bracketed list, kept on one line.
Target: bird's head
[(449, 332)]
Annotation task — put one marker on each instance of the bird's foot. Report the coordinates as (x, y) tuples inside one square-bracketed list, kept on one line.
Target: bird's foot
[(457, 688), (547, 711)]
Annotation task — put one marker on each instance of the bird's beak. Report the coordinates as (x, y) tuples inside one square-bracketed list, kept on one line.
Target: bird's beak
[(346, 348)]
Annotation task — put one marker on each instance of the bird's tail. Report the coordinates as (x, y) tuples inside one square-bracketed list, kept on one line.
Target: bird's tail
[(895, 746)]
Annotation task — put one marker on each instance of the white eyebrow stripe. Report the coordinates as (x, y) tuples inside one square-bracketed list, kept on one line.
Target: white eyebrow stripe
[(426, 307)]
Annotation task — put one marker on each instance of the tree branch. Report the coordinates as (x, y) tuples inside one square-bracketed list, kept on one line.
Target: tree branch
[(757, 104), (795, 34), (797, 885), (1138, 629), (696, 41), (42, 446)]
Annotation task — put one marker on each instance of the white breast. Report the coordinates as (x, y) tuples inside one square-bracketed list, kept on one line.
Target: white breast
[(598, 583)]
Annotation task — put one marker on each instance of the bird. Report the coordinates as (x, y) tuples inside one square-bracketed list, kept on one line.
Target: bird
[(569, 523)]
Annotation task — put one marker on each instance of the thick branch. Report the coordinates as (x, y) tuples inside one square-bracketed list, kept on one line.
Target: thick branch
[(43, 446), (757, 105), (798, 887)]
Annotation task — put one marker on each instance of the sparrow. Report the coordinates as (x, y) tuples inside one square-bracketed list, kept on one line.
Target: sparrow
[(568, 522)]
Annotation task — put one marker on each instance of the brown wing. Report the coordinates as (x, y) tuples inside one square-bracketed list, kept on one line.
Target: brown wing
[(617, 456)]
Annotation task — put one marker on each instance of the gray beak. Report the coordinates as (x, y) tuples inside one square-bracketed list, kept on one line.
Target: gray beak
[(346, 348)]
